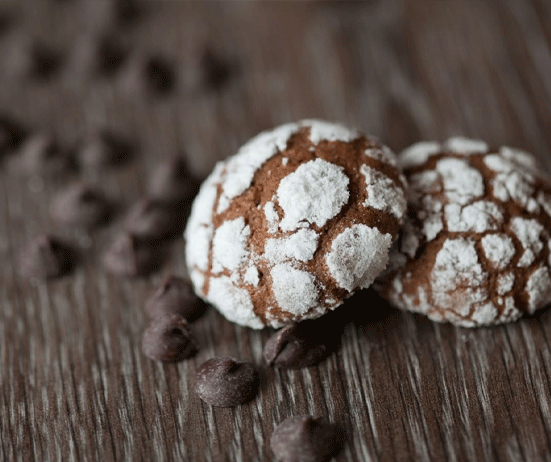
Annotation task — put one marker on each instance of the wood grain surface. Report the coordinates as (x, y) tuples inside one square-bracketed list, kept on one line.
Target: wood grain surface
[(74, 385)]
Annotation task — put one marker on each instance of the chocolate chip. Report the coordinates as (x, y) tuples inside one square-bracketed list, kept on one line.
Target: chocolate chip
[(96, 56), (109, 14), (171, 181), (145, 76), (150, 220), (81, 205), (168, 338), (128, 256), (45, 257), (11, 134), (303, 438), (295, 346), (41, 154), (5, 22), (174, 296), (28, 58), (216, 70), (101, 148), (224, 382)]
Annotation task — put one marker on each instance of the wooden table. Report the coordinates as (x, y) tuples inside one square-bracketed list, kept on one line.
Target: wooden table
[(74, 384)]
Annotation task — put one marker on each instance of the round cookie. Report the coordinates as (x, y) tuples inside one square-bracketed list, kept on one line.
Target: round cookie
[(301, 217), (475, 249)]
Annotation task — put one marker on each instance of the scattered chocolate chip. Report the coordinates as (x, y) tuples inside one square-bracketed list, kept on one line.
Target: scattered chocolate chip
[(28, 58), (45, 257), (80, 204), (224, 382), (294, 347), (171, 181), (146, 75), (174, 296), (129, 256), (41, 154), (11, 135), (96, 56), (168, 338), (150, 220), (5, 22), (217, 71), (303, 438), (101, 148), (109, 14)]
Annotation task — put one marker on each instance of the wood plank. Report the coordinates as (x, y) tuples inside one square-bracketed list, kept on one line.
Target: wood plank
[(74, 383)]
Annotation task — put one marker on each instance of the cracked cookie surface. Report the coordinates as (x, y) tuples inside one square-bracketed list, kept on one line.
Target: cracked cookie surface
[(475, 249), (301, 217)]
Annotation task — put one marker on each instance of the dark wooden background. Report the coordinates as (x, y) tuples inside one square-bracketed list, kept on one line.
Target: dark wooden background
[(74, 384)]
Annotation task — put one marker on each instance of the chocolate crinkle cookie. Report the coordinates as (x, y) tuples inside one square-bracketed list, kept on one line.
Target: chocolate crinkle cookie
[(475, 249), (300, 218)]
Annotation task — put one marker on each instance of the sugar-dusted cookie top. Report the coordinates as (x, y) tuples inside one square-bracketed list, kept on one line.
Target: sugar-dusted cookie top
[(475, 249), (301, 217)]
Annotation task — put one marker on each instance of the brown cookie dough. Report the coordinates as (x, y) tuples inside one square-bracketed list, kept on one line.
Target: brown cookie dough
[(294, 223), (475, 249)]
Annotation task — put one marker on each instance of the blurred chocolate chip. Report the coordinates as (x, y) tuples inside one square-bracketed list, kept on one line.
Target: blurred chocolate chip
[(168, 338), (41, 154), (145, 75), (295, 346), (150, 220), (128, 256), (11, 135), (303, 438), (217, 70), (171, 181), (102, 148), (45, 257), (28, 58), (174, 296), (101, 15), (95, 55), (5, 22), (224, 382), (81, 205)]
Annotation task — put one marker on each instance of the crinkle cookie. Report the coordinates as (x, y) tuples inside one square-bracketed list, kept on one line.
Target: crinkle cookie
[(475, 249), (301, 217)]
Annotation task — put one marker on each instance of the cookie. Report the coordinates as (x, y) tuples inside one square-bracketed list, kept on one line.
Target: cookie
[(475, 249), (288, 228)]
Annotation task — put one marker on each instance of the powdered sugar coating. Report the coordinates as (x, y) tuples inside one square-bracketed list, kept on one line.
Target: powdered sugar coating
[(538, 288), (461, 182), (498, 249), (475, 249), (478, 217), (294, 290), (313, 194), (383, 193), (465, 146), (358, 255), (274, 235), (299, 246), (418, 153), (272, 217), (230, 245), (234, 303), (327, 131), (528, 232), (457, 277)]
